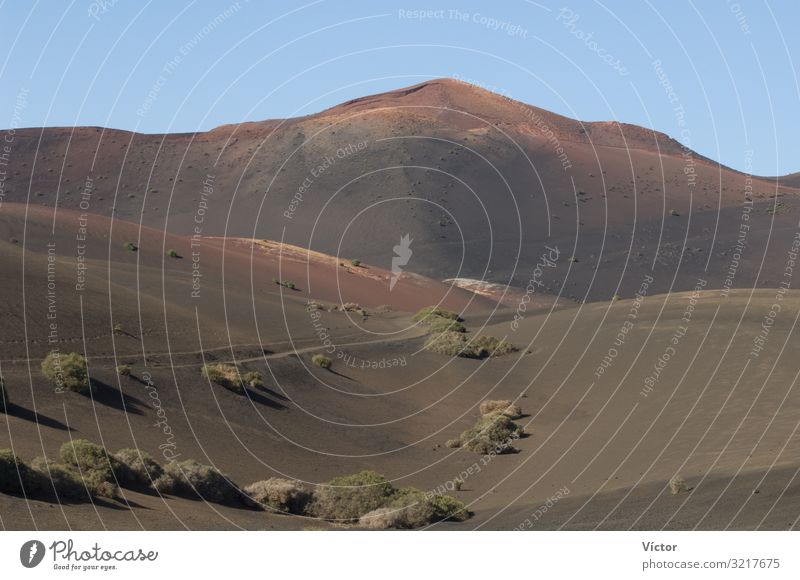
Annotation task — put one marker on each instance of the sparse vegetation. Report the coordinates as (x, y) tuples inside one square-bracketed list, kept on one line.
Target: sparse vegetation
[(130, 246), (173, 254), (192, 479), (285, 283), (430, 314), (93, 464), (355, 263), (674, 213), (57, 479), (124, 370), (494, 432), (503, 406), (283, 495), (137, 468), (321, 361), (445, 325), (224, 375), (67, 371), (314, 305), (452, 343), (677, 485), (253, 379), (15, 476)]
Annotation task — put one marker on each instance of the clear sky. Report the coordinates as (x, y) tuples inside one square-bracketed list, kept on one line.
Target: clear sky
[(720, 76)]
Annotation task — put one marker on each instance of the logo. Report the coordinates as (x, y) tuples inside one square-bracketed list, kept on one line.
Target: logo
[(402, 256), (31, 553)]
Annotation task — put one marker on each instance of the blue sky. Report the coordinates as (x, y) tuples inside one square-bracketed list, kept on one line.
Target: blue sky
[(727, 70)]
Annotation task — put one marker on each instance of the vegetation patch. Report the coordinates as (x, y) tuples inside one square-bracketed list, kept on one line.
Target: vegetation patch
[(503, 406), (430, 314), (137, 468), (492, 433), (225, 375), (285, 283), (93, 464), (192, 479), (283, 495), (67, 371), (322, 361), (130, 246)]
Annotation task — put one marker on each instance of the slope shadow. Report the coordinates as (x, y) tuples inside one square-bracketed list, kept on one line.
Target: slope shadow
[(111, 397), (30, 415)]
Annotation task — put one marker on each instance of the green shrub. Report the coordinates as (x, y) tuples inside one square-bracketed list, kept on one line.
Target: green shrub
[(93, 464), (192, 479), (253, 379), (60, 481), (447, 343), (446, 507), (173, 254), (68, 371), (124, 370), (283, 495), (130, 246), (503, 406), (430, 313), (411, 508), (493, 432), (284, 283), (15, 476), (355, 263), (137, 468), (321, 361), (348, 498), (224, 375), (445, 325), (483, 346)]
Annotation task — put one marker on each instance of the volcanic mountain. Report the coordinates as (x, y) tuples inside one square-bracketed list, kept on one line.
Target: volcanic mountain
[(481, 183)]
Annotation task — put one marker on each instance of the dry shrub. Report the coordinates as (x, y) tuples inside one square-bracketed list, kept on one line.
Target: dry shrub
[(677, 485), (60, 481), (321, 361), (483, 346), (412, 508), (348, 498), (94, 465), (138, 468), (15, 476), (503, 406), (445, 325), (491, 433), (68, 371), (430, 314), (192, 479), (452, 343), (224, 375), (283, 495)]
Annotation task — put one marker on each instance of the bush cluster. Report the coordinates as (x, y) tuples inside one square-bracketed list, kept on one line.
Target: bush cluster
[(448, 336), (493, 432), (68, 371), (321, 361), (228, 376)]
